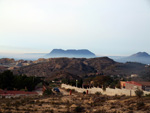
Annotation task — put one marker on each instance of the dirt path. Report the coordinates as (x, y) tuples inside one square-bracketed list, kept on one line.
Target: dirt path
[(64, 92)]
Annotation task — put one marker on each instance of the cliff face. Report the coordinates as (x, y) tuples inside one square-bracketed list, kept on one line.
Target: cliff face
[(83, 53)]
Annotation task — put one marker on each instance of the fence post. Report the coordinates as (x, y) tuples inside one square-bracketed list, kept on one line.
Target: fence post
[(70, 92), (130, 93), (87, 92)]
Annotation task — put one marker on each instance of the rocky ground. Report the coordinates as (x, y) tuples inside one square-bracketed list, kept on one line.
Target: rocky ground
[(64, 103)]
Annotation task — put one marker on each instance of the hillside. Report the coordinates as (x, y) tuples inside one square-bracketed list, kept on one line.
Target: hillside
[(82, 53), (2, 68), (141, 57), (79, 67), (55, 65), (5, 61)]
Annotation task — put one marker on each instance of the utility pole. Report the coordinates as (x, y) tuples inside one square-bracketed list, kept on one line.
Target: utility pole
[(76, 83)]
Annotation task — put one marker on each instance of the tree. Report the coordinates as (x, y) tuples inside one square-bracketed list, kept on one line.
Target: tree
[(139, 93), (6, 80), (104, 87), (102, 81), (118, 85), (10, 81)]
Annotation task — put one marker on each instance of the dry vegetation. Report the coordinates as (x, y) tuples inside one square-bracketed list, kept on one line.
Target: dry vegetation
[(80, 67), (75, 103)]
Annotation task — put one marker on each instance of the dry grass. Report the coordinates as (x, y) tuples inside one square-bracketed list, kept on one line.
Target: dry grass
[(74, 104)]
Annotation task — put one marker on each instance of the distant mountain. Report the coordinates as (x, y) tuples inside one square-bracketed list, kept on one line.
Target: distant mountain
[(6, 61), (71, 53), (141, 54), (141, 57)]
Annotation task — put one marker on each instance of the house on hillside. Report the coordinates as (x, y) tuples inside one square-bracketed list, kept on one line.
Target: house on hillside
[(122, 84), (134, 75), (132, 85)]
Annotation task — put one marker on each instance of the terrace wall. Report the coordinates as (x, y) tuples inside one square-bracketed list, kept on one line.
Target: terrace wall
[(109, 91)]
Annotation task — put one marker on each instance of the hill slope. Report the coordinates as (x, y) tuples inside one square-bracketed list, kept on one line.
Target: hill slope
[(79, 67), (2, 68), (141, 57)]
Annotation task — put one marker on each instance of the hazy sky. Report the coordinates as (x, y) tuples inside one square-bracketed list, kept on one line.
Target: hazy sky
[(106, 27)]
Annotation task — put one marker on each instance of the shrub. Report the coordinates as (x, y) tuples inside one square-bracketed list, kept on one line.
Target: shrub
[(113, 106), (123, 95), (79, 109), (37, 101), (130, 108), (32, 102), (104, 88), (140, 104), (147, 95), (73, 90), (117, 96), (101, 111), (131, 111), (17, 103), (84, 92), (139, 93), (48, 92), (40, 104), (68, 90), (49, 110), (98, 93), (68, 106), (118, 85)]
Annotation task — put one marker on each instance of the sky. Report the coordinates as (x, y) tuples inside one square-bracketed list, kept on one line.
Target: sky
[(105, 27)]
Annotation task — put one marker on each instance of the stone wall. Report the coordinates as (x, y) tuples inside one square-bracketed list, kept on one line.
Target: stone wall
[(109, 91)]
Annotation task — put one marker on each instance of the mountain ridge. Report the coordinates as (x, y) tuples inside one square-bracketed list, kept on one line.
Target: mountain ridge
[(140, 54), (141, 57), (81, 53)]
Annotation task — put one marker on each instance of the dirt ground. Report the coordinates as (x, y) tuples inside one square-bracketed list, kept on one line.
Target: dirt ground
[(75, 103)]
